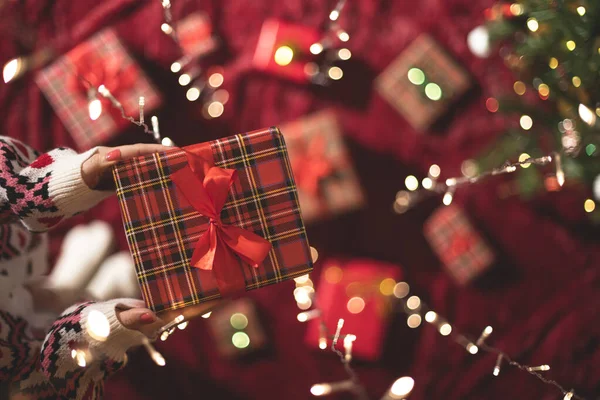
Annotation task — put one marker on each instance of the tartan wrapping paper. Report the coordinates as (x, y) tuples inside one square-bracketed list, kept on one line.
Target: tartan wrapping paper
[(57, 82), (463, 251), (194, 33), (338, 192), (343, 280), (276, 33), (222, 321), (408, 99), (162, 228)]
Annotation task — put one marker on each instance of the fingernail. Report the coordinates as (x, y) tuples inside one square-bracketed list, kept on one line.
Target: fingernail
[(146, 318), (113, 155)]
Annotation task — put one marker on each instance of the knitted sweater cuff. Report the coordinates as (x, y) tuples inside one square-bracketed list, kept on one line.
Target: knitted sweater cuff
[(117, 339), (67, 187)]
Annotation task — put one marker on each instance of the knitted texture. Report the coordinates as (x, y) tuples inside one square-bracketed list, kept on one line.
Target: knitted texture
[(37, 191)]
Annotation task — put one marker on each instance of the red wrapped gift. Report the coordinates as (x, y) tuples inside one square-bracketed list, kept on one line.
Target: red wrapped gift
[(71, 81), (283, 49), (463, 251), (360, 292), (237, 329), (422, 82), (212, 219), (194, 33), (326, 180)]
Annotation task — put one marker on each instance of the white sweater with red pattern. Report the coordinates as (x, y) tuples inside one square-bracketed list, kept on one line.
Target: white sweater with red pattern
[(39, 352)]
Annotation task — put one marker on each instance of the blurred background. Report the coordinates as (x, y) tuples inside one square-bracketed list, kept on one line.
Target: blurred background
[(390, 109)]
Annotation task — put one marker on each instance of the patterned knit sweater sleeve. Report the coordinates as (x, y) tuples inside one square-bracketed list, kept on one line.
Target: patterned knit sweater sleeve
[(40, 190)]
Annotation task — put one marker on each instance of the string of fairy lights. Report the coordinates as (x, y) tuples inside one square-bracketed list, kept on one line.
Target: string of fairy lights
[(417, 312)]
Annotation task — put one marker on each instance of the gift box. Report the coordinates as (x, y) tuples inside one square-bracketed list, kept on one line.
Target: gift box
[(237, 329), (361, 292), (422, 82), (213, 219), (462, 250), (325, 177), (283, 50), (70, 84), (194, 33)]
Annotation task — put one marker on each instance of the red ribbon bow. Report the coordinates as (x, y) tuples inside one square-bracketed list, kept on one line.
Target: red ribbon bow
[(311, 165), (206, 188), (93, 69)]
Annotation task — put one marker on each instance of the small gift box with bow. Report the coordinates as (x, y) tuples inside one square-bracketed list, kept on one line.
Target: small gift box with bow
[(326, 180), (422, 82), (213, 219), (361, 292), (462, 250), (71, 85)]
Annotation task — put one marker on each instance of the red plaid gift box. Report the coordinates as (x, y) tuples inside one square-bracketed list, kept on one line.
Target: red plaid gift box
[(194, 33), (463, 251), (359, 291), (230, 203), (70, 81), (422, 82), (326, 180), (283, 49), (237, 329)]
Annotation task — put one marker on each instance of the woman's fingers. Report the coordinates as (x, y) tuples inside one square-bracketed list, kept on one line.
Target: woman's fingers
[(189, 312), (132, 150)]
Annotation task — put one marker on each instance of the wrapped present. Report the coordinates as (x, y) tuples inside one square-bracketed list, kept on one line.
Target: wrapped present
[(422, 82), (236, 328), (359, 291), (72, 81), (283, 50), (325, 177), (212, 219), (194, 33), (463, 251)]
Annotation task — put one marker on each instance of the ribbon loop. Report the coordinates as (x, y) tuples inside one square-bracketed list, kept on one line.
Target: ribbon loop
[(206, 188)]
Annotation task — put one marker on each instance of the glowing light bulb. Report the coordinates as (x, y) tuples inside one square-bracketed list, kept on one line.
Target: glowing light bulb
[(523, 157), (335, 73), (533, 24), (215, 80), (386, 287), (519, 88), (413, 321), (542, 368), (192, 94), (11, 69), (343, 35), (316, 48), (430, 316), (526, 122), (166, 141), (401, 290), (433, 91), (164, 336), (183, 325), (334, 15), (355, 305), (478, 41), (589, 205), (576, 81), (80, 359), (344, 54), (427, 183), (97, 325), (413, 302), (284, 55), (401, 387), (175, 67), (215, 109), (314, 254), (411, 183), (498, 365), (516, 9), (492, 105), (471, 348), (448, 197), (241, 340), (207, 315), (445, 329), (166, 28), (587, 115), (553, 64), (302, 279), (571, 45), (158, 359), (581, 10), (320, 389), (416, 76), (238, 321), (308, 315), (434, 171), (184, 79), (95, 109)]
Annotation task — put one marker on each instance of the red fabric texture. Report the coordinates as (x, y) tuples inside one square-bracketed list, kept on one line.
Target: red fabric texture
[(542, 298)]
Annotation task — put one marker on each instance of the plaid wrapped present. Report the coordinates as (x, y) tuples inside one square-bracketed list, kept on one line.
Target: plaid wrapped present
[(326, 180), (463, 251), (359, 291), (283, 50), (194, 33), (230, 203), (236, 328), (422, 82), (71, 81)]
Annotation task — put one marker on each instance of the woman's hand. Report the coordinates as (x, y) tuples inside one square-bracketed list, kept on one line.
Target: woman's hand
[(147, 322), (95, 171)]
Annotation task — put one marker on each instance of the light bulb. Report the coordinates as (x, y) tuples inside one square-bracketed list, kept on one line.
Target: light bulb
[(95, 109), (478, 41)]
